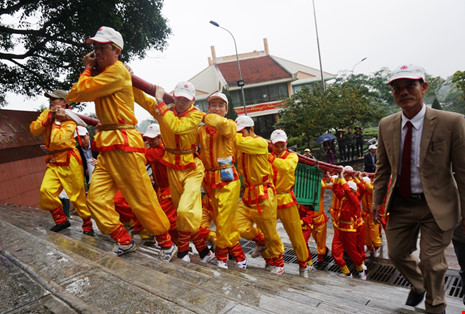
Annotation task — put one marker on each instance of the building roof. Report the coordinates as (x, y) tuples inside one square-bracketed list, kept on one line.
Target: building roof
[(254, 70)]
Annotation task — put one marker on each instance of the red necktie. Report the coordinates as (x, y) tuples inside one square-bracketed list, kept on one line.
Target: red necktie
[(404, 184)]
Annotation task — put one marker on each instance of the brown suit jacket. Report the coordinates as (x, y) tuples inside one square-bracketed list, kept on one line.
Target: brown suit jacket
[(442, 152)]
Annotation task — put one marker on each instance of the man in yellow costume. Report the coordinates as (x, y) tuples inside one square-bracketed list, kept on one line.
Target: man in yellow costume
[(258, 204), (221, 181), (179, 125), (284, 164), (64, 164), (121, 163)]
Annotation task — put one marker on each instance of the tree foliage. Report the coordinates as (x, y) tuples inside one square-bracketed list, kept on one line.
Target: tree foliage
[(350, 101), (42, 44), (436, 104), (459, 80)]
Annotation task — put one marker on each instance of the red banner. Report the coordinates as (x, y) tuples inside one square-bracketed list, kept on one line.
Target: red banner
[(258, 108)]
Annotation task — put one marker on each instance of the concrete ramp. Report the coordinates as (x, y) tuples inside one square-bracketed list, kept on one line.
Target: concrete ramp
[(66, 272)]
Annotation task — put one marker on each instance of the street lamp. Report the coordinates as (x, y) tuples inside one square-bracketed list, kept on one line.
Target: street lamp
[(240, 82), (357, 64), (318, 44)]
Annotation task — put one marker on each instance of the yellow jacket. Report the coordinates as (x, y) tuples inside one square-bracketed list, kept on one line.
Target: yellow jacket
[(111, 91), (367, 198), (253, 165), (284, 177), (216, 139), (178, 131), (58, 137)]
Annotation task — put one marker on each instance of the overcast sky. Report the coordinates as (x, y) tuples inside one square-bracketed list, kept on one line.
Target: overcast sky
[(429, 33)]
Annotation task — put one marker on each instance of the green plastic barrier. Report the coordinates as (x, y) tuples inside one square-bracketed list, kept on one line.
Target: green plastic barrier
[(307, 185)]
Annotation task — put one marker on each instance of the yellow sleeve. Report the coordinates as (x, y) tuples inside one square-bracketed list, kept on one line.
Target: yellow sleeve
[(64, 134), (146, 102), (369, 187), (224, 126), (188, 124), (89, 88), (38, 126), (289, 164), (251, 145)]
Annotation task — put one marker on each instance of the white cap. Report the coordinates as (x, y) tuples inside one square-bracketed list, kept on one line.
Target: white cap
[(105, 35), (81, 131), (278, 136), (184, 89), (372, 147), (218, 95), (352, 185), (334, 176), (244, 122), (412, 72), (348, 168), (152, 131), (366, 179)]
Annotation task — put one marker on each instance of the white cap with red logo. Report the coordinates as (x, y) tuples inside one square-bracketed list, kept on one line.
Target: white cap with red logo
[(219, 95), (184, 89), (411, 71), (105, 35), (278, 136), (244, 122), (152, 131)]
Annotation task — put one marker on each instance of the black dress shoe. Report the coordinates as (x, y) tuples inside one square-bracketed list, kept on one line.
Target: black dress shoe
[(414, 298), (89, 233), (61, 226)]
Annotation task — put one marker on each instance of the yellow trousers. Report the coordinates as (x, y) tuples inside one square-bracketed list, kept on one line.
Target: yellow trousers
[(319, 234), (247, 215), (126, 171), (372, 232), (224, 203), (71, 179), (291, 222), (186, 196)]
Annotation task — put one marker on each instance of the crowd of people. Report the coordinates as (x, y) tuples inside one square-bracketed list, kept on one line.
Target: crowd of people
[(247, 181)]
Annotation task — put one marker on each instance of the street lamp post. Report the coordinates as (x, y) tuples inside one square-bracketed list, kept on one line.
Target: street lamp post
[(357, 64), (318, 44), (240, 82)]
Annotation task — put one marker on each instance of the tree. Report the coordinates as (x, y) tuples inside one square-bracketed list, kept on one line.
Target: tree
[(43, 47), (459, 80), (231, 114), (436, 104)]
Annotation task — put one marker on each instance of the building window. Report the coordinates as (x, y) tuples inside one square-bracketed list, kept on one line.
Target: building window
[(261, 94), (202, 105)]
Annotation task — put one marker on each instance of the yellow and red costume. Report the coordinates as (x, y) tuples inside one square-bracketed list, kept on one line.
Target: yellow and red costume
[(162, 186), (283, 167), (64, 169), (121, 163), (372, 230), (314, 223), (348, 231), (258, 204), (185, 171), (217, 140)]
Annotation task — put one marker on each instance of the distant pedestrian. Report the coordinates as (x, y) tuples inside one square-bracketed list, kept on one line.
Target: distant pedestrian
[(359, 141), (369, 160)]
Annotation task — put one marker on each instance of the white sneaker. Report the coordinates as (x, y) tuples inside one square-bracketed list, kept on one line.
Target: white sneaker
[(349, 275), (221, 264), (120, 249), (167, 254), (278, 270), (362, 275), (259, 249), (208, 258), (364, 267), (376, 253), (242, 264), (303, 272), (186, 258)]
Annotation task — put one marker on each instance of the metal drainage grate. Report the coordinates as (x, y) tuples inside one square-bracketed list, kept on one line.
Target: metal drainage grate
[(380, 270)]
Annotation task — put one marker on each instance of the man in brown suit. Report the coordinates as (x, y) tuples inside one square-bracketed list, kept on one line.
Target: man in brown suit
[(425, 195)]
